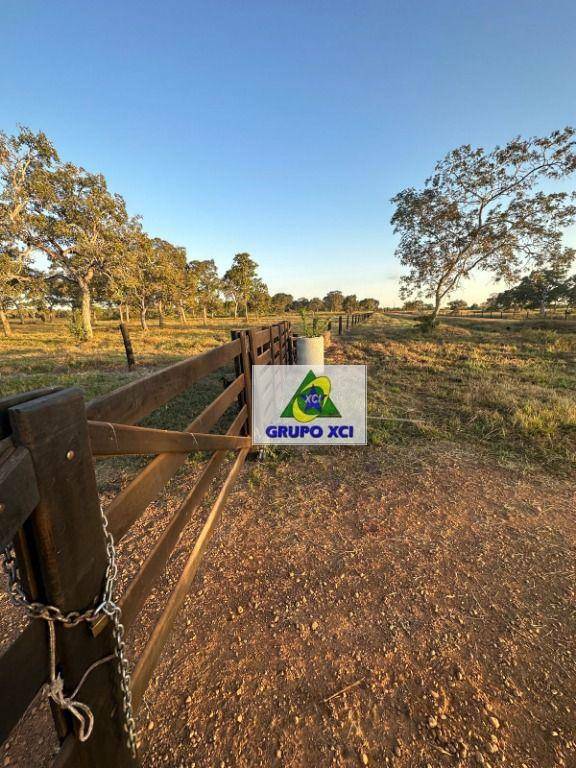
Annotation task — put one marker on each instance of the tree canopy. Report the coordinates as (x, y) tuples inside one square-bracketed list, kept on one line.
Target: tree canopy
[(484, 210)]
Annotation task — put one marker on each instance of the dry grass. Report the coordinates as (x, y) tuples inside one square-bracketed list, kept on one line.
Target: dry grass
[(502, 386)]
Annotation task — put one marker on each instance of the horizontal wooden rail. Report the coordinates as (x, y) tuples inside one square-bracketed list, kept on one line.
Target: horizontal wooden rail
[(19, 494), (264, 358), (23, 671), (109, 439), (131, 502), (8, 402), (131, 403), (151, 655), (155, 563)]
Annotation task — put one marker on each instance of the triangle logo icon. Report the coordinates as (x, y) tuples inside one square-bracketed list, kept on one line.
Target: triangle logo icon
[(311, 400)]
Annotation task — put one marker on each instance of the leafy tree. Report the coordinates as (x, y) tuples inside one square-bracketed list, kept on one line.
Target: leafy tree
[(78, 226), (186, 293), (370, 305), (142, 271), (571, 291), (260, 299), (24, 160), (541, 287), (171, 269), (350, 303), (333, 301), (280, 302), (299, 304), (414, 305), (457, 304), (315, 304), (484, 210), (240, 281), (208, 285)]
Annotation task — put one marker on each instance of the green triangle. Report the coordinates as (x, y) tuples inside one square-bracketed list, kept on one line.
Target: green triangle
[(328, 407)]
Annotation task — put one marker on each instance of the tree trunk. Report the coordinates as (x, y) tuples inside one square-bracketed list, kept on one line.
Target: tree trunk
[(86, 313), (235, 309), (246, 310), (127, 313), (436, 310), (21, 315), (182, 313), (543, 307), (5, 323), (121, 311), (143, 322), (160, 307), (205, 315)]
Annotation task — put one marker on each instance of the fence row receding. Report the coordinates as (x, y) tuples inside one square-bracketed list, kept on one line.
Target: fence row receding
[(59, 559)]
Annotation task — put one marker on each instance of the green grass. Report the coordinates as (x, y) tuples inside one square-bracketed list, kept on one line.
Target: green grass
[(506, 387)]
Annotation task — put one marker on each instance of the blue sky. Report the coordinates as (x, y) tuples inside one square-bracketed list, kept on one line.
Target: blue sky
[(284, 128)]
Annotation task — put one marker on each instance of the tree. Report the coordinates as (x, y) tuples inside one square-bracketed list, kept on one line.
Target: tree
[(571, 291), (280, 302), (240, 281), (24, 160), (78, 225), (315, 304), (301, 303), (171, 269), (483, 210), (333, 301), (456, 305), (142, 271), (187, 293), (414, 305), (541, 287), (350, 303), (208, 285), (370, 305), (260, 299)]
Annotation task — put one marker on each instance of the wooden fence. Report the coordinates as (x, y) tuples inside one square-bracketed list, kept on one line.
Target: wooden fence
[(59, 560)]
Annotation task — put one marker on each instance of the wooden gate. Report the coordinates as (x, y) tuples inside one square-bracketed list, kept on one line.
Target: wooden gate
[(58, 559), (58, 550)]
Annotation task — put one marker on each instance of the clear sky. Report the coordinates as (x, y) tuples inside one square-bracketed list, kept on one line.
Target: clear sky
[(283, 127)]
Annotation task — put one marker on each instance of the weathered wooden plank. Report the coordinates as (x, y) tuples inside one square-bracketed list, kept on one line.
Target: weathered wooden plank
[(18, 492), (6, 446), (20, 397), (259, 337), (151, 655), (68, 538), (120, 440), (132, 402), (23, 671), (263, 359), (129, 504)]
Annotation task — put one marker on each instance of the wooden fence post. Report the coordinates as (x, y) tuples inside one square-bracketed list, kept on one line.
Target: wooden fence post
[(339, 325), (127, 345), (68, 541)]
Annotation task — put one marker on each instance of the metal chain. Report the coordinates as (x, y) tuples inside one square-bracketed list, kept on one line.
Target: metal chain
[(113, 611), (107, 606)]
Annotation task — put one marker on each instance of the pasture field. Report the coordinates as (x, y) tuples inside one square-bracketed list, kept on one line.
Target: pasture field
[(507, 386), (46, 354), (405, 604)]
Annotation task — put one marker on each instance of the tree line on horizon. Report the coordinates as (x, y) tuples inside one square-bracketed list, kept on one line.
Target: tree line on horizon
[(540, 290), (99, 255)]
